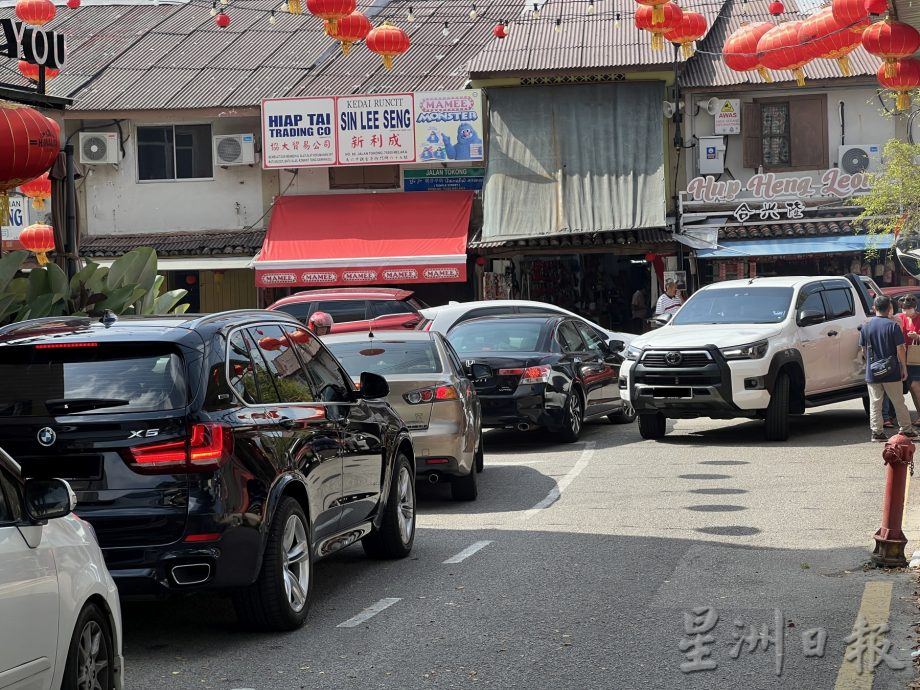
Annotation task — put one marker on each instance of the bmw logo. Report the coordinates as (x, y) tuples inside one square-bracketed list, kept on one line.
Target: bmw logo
[(673, 358), (47, 436)]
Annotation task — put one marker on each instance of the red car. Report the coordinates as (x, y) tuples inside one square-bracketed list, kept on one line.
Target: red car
[(896, 293), (355, 309)]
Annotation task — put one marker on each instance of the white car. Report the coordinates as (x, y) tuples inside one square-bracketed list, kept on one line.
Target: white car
[(762, 348), (443, 318), (60, 619)]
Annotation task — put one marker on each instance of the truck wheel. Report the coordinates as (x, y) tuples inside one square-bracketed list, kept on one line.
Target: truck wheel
[(652, 425), (396, 534), (280, 598), (776, 420)]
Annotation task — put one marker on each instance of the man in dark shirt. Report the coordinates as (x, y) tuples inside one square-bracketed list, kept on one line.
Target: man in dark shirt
[(882, 338)]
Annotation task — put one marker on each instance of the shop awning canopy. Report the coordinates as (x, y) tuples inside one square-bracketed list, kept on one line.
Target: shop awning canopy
[(366, 239), (796, 245)]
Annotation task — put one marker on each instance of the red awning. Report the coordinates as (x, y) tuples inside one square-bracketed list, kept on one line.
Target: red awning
[(366, 239)]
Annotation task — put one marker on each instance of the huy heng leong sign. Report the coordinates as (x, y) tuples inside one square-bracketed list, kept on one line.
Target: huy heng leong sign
[(770, 186)]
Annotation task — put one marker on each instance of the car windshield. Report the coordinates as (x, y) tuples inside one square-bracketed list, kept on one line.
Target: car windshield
[(746, 304), (90, 380), (496, 335), (419, 357)]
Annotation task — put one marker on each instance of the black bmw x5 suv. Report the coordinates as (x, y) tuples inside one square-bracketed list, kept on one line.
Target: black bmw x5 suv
[(226, 451)]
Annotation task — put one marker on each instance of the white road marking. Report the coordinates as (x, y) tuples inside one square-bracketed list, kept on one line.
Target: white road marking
[(468, 551), (369, 613), (561, 485)]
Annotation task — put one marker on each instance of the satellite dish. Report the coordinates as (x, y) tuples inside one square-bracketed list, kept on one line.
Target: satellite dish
[(907, 249), (669, 109), (713, 105)]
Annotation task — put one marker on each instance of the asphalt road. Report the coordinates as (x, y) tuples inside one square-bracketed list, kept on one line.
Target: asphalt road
[(578, 567)]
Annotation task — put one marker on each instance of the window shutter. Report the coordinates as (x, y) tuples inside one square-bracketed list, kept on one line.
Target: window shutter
[(751, 128), (346, 177), (381, 176), (808, 132)]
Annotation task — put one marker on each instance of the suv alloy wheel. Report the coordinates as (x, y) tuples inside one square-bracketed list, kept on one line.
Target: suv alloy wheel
[(394, 537)]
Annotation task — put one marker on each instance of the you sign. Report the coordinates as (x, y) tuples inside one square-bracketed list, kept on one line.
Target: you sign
[(45, 48)]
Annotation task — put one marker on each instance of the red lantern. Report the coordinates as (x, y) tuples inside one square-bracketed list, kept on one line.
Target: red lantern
[(38, 190), (387, 41), (906, 78), (38, 239), (35, 12), (480, 261), (645, 20), (776, 8), (222, 20), (691, 28), (850, 13), (876, 6), (73, 4), (740, 50), (828, 39), (779, 49), (891, 41), (349, 30), (330, 11), (30, 71), (499, 31), (656, 6), (29, 143)]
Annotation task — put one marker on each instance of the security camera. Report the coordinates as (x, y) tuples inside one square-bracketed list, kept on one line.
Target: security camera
[(713, 105)]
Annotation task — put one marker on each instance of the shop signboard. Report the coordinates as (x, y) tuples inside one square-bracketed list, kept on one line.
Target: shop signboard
[(376, 129), (727, 119), (429, 179), (298, 132), (771, 186), (448, 126), (17, 221)]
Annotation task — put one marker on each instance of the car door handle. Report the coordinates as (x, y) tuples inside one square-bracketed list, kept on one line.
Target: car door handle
[(831, 334)]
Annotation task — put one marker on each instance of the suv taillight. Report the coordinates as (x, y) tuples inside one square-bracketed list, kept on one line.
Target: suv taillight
[(208, 447)]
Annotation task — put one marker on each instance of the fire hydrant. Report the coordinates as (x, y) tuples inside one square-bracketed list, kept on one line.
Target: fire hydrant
[(890, 540)]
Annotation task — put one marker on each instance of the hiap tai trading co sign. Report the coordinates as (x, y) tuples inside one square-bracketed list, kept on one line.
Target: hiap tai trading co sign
[(374, 129), (361, 276)]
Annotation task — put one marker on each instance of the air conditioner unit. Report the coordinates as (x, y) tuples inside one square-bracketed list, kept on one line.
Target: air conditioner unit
[(98, 148), (234, 149), (858, 158)]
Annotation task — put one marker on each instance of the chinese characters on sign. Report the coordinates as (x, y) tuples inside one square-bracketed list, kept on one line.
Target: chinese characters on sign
[(427, 179), (770, 210), (373, 129), (867, 646), (298, 132)]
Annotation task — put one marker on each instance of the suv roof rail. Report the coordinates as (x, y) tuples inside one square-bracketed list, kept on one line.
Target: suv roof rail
[(29, 323), (253, 313)]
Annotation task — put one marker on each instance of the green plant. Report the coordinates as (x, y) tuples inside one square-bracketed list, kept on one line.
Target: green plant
[(129, 286), (893, 202)]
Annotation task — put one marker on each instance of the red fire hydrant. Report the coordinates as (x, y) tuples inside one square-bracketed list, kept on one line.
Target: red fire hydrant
[(890, 540)]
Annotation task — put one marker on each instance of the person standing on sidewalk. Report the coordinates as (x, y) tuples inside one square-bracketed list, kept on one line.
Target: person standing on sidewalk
[(883, 340), (910, 324), (670, 301)]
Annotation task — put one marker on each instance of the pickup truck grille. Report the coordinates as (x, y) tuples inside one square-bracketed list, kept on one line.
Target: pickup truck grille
[(682, 379), (676, 358)]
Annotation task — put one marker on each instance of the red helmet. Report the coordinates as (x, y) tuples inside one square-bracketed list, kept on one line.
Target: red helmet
[(320, 318)]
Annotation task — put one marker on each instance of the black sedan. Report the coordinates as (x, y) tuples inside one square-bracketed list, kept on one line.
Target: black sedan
[(542, 371)]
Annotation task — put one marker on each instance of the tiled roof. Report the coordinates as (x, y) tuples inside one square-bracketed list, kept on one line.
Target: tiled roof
[(583, 240), (802, 228), (238, 243), (707, 68), (172, 56), (587, 43)]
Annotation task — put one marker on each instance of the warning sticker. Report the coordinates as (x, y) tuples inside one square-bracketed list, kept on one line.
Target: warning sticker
[(728, 117)]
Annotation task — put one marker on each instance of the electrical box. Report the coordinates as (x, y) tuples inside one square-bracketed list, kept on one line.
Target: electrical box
[(712, 155)]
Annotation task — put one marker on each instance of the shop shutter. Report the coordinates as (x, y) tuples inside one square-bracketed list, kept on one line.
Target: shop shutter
[(751, 132), (364, 177), (808, 132)]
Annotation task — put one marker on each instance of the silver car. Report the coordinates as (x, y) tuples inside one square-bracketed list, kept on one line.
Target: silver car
[(431, 392)]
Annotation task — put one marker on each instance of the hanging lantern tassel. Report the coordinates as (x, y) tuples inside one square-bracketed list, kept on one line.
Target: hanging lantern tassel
[(294, 7), (902, 102), (657, 17), (799, 75), (765, 74), (4, 207), (657, 40), (687, 49), (891, 71), (844, 64)]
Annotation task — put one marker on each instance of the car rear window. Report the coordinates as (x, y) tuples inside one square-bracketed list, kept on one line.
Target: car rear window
[(419, 357), (496, 336), (343, 310), (90, 379)]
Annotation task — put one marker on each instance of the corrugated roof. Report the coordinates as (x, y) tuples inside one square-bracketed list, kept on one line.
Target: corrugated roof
[(707, 68), (152, 57), (236, 243), (591, 42), (584, 239)]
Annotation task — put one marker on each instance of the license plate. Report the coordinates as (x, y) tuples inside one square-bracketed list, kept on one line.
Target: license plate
[(672, 393)]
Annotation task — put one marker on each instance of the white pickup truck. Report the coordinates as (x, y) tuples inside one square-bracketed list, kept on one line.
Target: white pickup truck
[(761, 348)]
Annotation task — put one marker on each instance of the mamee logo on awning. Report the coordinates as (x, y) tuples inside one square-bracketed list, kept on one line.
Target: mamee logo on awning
[(279, 279), (441, 273), (319, 277), (359, 276), (400, 274)]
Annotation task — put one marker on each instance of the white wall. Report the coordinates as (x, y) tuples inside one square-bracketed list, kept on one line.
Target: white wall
[(114, 201), (865, 123)]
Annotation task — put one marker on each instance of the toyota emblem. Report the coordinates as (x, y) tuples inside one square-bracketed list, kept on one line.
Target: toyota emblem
[(673, 358), (46, 436)]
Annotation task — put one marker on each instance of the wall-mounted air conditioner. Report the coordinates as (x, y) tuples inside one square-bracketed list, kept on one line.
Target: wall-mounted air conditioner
[(858, 158), (98, 148), (234, 149)]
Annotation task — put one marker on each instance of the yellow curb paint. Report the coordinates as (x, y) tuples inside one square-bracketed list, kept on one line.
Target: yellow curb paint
[(875, 605)]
